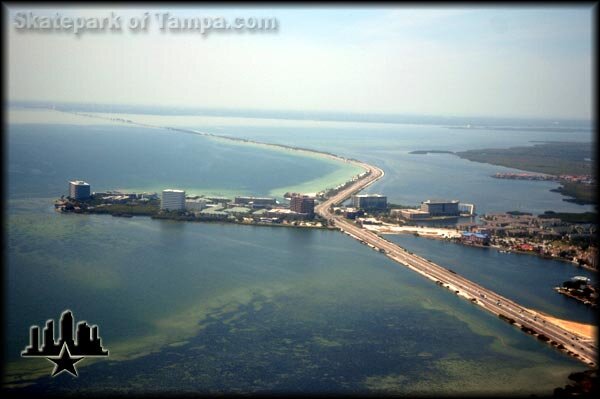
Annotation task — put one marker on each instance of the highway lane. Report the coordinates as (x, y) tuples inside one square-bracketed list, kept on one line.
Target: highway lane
[(580, 347)]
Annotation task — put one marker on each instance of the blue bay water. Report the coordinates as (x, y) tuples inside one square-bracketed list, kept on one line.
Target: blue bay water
[(527, 279), (212, 307)]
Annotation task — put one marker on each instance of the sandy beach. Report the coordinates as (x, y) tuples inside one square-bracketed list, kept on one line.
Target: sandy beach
[(585, 330), (429, 232)]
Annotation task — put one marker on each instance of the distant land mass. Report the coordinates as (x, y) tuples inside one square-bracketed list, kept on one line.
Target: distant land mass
[(431, 152), (555, 128), (465, 122), (553, 158), (550, 157)]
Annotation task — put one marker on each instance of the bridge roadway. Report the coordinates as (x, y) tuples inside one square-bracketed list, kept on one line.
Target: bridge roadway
[(578, 346)]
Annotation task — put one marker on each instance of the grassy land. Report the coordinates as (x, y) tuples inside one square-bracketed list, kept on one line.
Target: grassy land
[(135, 210), (585, 217), (582, 193), (431, 152), (553, 158)]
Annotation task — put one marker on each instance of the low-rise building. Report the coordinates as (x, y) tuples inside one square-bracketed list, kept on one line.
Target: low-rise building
[(219, 200), (238, 211), (580, 279), (195, 204), (149, 196), (372, 221), (283, 213), (475, 238), (351, 213), (116, 199), (411, 214), (255, 202), (212, 214), (525, 247)]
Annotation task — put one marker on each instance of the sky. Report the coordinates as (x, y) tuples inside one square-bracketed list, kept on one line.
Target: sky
[(447, 61)]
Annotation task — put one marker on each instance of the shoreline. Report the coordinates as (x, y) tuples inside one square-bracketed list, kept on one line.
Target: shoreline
[(563, 291), (442, 237), (476, 156), (551, 333), (307, 152), (586, 330)]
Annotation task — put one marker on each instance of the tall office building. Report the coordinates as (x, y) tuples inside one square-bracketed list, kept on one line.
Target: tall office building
[(303, 204), (369, 201), (173, 200), (79, 190)]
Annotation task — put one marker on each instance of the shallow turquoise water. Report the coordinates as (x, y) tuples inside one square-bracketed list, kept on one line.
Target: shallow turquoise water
[(43, 158)]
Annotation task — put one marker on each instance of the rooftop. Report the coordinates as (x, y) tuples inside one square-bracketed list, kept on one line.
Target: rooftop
[(79, 183), (415, 211), (440, 201), (254, 198), (580, 278), (195, 200), (478, 235), (281, 211), (238, 209), (212, 211)]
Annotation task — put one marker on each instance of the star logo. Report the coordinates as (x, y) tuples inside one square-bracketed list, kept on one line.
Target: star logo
[(64, 362), (70, 348)]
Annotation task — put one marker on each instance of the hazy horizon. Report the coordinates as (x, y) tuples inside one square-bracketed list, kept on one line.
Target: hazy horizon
[(317, 115), (502, 62)]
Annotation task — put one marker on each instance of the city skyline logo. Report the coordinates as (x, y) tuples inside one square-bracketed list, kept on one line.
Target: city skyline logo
[(66, 352)]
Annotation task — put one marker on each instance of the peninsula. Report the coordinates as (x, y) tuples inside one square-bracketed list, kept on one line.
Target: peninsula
[(570, 164)]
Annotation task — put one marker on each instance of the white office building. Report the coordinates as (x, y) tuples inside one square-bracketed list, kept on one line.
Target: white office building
[(78, 190), (173, 200), (369, 201)]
